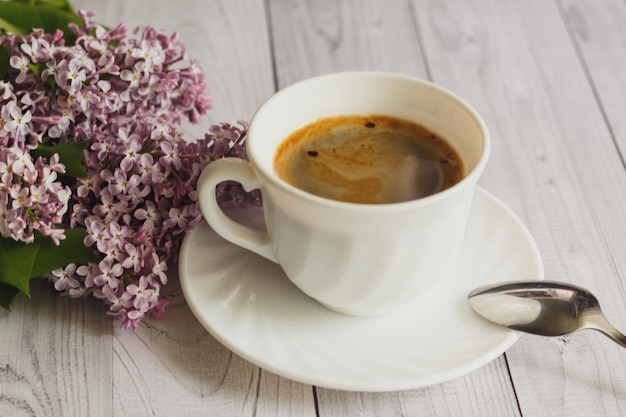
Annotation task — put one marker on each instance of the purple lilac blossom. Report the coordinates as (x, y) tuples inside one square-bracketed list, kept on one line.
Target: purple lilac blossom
[(125, 96)]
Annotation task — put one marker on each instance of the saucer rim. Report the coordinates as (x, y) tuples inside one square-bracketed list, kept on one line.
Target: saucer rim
[(419, 381)]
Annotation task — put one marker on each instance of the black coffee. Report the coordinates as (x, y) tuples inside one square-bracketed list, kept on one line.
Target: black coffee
[(370, 159)]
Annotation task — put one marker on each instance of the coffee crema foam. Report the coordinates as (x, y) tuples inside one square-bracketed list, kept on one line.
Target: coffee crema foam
[(371, 159)]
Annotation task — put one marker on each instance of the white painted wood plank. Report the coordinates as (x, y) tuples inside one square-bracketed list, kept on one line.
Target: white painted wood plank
[(318, 37), (554, 163), (599, 31), (315, 37), (228, 37), (485, 392), (171, 365), (55, 356)]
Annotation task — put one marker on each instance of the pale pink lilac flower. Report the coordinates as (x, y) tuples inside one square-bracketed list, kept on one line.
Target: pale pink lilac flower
[(30, 198), (64, 278)]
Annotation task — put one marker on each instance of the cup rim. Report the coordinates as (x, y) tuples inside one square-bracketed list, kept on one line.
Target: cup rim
[(470, 179)]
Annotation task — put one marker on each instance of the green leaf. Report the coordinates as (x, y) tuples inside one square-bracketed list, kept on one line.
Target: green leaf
[(7, 293), (48, 16), (64, 5), (16, 261), (69, 155), (36, 69), (58, 4), (20, 262), (8, 27), (21, 16), (71, 250), (5, 56)]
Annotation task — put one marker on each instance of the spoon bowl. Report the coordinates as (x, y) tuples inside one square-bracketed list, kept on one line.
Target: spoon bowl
[(546, 308)]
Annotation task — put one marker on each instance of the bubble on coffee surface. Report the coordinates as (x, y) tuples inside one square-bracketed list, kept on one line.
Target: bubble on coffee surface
[(367, 159)]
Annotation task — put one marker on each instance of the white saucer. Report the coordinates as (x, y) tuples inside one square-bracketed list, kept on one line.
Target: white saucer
[(249, 305)]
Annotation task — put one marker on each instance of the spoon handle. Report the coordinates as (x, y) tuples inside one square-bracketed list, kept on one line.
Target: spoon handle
[(600, 323)]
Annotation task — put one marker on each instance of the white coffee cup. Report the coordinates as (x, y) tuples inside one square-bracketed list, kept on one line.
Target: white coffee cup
[(357, 259)]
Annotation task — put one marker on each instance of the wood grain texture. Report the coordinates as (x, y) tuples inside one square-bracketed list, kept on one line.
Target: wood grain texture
[(316, 37), (548, 76), (173, 366), (599, 34), (229, 38), (55, 356), (485, 392), (554, 162), (170, 366)]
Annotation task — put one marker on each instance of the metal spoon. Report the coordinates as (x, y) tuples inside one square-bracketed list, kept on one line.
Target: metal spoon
[(542, 307)]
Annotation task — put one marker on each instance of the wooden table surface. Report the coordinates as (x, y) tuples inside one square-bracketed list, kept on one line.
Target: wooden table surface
[(549, 78)]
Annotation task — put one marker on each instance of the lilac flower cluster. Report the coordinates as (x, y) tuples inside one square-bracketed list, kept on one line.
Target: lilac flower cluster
[(31, 198), (136, 204), (124, 96)]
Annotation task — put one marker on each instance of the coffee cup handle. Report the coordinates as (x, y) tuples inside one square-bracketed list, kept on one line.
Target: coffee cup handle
[(231, 169)]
